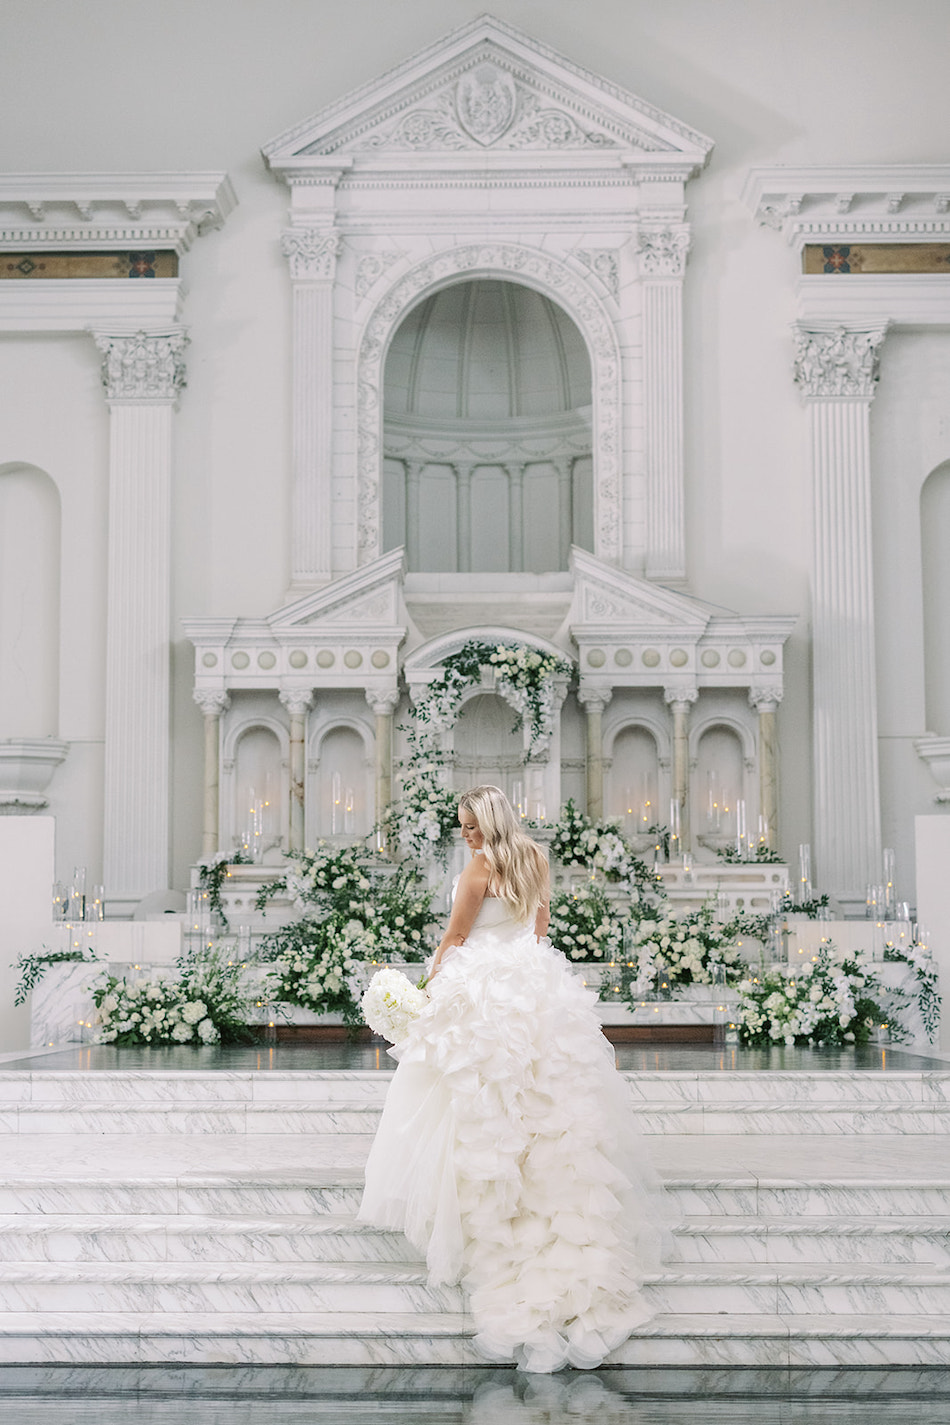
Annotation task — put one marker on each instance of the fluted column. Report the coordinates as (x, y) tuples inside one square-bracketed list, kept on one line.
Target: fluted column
[(662, 248), (836, 368), (463, 517), (413, 470), (515, 517), (212, 706), (593, 701), (680, 700), (383, 706), (298, 702), (766, 701), (142, 373), (312, 254)]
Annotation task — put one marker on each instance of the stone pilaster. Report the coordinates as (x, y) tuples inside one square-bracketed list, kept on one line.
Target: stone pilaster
[(662, 249), (564, 466), (463, 517), (383, 706), (766, 701), (836, 368), (680, 701), (594, 701), (515, 517), (312, 254), (212, 706), (413, 470), (142, 373), (298, 702)]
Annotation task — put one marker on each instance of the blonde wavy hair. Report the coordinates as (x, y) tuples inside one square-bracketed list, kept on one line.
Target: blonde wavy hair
[(517, 867)]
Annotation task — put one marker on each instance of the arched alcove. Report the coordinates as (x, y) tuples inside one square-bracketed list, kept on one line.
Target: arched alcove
[(487, 432), (633, 787), (718, 785), (258, 811), (343, 790), (935, 572), (489, 750), (29, 602)]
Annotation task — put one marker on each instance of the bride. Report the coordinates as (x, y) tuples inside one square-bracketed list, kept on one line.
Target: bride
[(506, 1152)]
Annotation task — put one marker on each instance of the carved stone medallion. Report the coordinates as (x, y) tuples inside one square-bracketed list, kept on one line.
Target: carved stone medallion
[(485, 101)]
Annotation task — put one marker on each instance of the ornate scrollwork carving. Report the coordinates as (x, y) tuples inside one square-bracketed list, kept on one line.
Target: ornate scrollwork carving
[(603, 263), (311, 252), (370, 269), (143, 366), (838, 361), (662, 250)]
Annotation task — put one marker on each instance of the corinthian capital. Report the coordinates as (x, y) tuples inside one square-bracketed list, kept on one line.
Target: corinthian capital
[(297, 701), (311, 252), (211, 703), (838, 360), (143, 366), (662, 250)]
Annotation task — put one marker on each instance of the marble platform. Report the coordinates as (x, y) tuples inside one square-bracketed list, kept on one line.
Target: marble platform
[(176, 1215)]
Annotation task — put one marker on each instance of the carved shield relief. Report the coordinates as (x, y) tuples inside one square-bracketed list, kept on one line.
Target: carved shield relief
[(485, 101)]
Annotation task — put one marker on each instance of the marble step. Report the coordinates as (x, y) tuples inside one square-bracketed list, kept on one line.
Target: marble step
[(351, 1287), (654, 1089), (236, 1195), (384, 1339), (340, 1238), (105, 1116)]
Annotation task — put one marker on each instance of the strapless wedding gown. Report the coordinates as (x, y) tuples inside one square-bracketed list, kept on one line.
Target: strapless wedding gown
[(507, 1154)]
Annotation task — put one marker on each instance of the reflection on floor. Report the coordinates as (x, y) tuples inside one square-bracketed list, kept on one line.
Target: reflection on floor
[(679, 1058), (235, 1395)]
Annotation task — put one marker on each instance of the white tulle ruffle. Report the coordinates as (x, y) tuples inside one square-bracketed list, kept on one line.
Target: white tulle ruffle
[(507, 1155)]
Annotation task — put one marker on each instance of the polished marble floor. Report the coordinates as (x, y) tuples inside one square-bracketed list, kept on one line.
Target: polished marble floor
[(164, 1395), (283, 1057)]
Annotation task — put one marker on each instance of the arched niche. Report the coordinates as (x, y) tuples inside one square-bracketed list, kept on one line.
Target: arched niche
[(29, 602), (486, 415), (487, 749), (719, 785), (258, 809), (634, 779), (340, 801), (935, 573), (598, 518)]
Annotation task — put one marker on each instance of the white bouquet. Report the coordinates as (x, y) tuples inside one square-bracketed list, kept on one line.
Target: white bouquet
[(391, 1003)]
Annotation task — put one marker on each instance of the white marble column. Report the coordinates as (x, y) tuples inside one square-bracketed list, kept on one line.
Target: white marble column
[(515, 517), (383, 706), (662, 248), (143, 373), (298, 702), (766, 701), (564, 466), (680, 701), (212, 705), (413, 469), (312, 254), (463, 517), (594, 701), (836, 368)]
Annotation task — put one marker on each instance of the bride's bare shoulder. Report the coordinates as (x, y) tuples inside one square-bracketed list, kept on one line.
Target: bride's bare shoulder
[(475, 873)]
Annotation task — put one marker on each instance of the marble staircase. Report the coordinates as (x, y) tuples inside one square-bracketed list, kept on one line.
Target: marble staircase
[(209, 1216)]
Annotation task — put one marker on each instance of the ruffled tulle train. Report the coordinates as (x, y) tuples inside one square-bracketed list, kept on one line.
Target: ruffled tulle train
[(508, 1157)]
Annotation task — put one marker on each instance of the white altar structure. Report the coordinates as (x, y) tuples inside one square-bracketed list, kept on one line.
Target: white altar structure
[(449, 375)]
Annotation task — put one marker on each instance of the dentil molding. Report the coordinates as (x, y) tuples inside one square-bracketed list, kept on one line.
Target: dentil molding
[(883, 201)]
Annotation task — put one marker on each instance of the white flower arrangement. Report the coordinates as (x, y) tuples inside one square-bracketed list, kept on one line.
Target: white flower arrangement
[(204, 1001), (601, 848), (583, 926), (831, 999), (391, 1003), (686, 949)]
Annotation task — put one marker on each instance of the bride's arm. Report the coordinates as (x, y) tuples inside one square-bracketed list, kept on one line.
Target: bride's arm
[(543, 918), (469, 895)]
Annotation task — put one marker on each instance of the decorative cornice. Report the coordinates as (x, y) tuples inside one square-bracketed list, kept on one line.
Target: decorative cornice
[(105, 212), (311, 252), (143, 367), (836, 361), (881, 200), (662, 249)]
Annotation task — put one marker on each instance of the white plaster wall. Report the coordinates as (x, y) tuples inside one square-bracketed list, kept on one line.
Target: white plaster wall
[(125, 85)]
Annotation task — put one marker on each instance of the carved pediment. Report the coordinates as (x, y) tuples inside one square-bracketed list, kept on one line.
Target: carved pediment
[(486, 87), (370, 597), (605, 596)]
